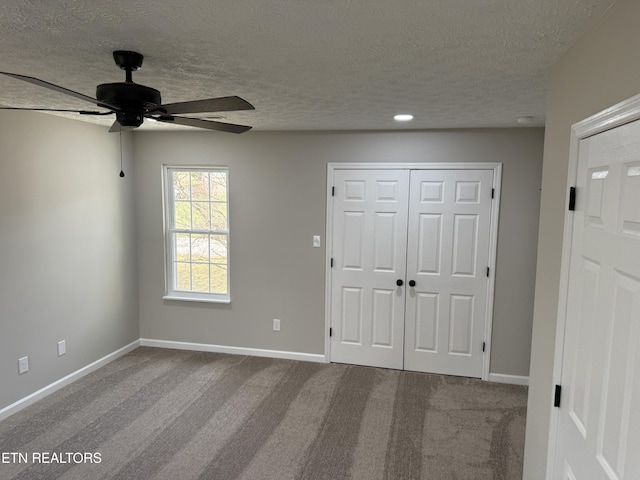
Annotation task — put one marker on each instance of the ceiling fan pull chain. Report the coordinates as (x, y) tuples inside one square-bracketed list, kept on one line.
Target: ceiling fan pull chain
[(121, 170)]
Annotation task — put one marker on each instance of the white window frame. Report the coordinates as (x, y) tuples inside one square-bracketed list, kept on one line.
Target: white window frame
[(171, 292)]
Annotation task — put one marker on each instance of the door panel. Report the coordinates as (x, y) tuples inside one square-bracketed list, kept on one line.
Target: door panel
[(351, 316), (383, 303), (429, 240), (369, 250), (460, 324), (447, 256), (427, 328), (384, 238), (465, 242), (598, 423)]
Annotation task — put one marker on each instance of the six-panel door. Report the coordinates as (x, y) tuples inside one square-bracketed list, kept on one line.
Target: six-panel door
[(369, 252), (598, 434), (447, 258), (430, 227)]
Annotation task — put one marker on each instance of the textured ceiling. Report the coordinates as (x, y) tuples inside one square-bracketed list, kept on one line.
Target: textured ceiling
[(305, 65)]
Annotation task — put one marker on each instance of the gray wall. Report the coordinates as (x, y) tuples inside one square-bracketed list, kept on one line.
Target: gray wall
[(278, 186), (67, 259), (600, 70), (81, 251)]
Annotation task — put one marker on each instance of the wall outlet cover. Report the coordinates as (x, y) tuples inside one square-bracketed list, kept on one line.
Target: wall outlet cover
[(62, 347), (276, 324)]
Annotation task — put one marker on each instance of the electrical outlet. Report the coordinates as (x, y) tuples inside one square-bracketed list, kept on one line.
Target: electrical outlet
[(62, 347), (276, 324), (23, 365)]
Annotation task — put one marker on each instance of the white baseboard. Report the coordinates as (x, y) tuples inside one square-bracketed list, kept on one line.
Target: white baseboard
[(513, 379), (201, 347), (255, 352), (72, 377)]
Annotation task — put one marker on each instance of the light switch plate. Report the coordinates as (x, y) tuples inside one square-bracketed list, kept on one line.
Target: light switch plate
[(23, 365), (316, 241)]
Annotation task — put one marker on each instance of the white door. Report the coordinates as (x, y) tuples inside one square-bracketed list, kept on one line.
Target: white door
[(444, 218), (598, 434), (447, 258), (369, 252)]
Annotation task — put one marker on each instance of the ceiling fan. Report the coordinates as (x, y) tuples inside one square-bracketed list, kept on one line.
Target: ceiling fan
[(132, 102)]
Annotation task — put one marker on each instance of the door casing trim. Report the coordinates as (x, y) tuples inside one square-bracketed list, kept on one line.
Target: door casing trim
[(493, 235)]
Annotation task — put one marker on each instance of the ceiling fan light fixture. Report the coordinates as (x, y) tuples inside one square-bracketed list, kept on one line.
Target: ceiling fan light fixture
[(403, 117), (129, 119)]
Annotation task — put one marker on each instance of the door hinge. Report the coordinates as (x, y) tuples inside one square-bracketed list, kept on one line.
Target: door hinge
[(488, 271), (493, 192), (330, 332), (332, 262), (572, 199), (484, 346), (333, 191), (556, 397)]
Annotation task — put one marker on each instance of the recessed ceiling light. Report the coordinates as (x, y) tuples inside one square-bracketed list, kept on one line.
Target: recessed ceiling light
[(403, 117), (526, 120)]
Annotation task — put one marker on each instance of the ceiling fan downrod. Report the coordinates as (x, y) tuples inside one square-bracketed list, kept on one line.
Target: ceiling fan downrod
[(129, 62)]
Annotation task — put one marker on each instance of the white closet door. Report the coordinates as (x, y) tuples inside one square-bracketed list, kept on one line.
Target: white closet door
[(369, 253), (447, 258), (598, 435)]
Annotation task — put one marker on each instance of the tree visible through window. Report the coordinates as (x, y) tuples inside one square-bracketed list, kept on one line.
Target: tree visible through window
[(197, 233)]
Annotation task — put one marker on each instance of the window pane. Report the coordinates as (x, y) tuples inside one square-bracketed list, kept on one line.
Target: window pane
[(218, 249), (181, 186), (183, 276), (200, 277), (200, 247), (183, 214), (219, 278), (218, 185), (200, 215), (219, 216), (183, 247), (199, 186)]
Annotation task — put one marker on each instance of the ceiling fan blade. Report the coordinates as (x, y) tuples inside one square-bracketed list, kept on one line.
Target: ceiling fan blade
[(222, 104), (59, 89), (208, 124), (116, 128), (81, 112)]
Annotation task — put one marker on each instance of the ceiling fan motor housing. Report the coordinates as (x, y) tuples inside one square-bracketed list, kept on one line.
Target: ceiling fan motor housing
[(132, 100)]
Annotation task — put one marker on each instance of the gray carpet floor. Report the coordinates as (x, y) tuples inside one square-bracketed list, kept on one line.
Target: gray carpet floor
[(180, 415)]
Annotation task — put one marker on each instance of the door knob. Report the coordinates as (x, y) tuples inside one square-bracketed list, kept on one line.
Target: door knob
[(412, 283), (399, 282)]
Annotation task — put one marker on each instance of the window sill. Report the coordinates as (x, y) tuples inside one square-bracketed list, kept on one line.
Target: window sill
[(197, 299)]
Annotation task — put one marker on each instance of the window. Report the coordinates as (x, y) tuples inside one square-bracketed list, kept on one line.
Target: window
[(197, 234)]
